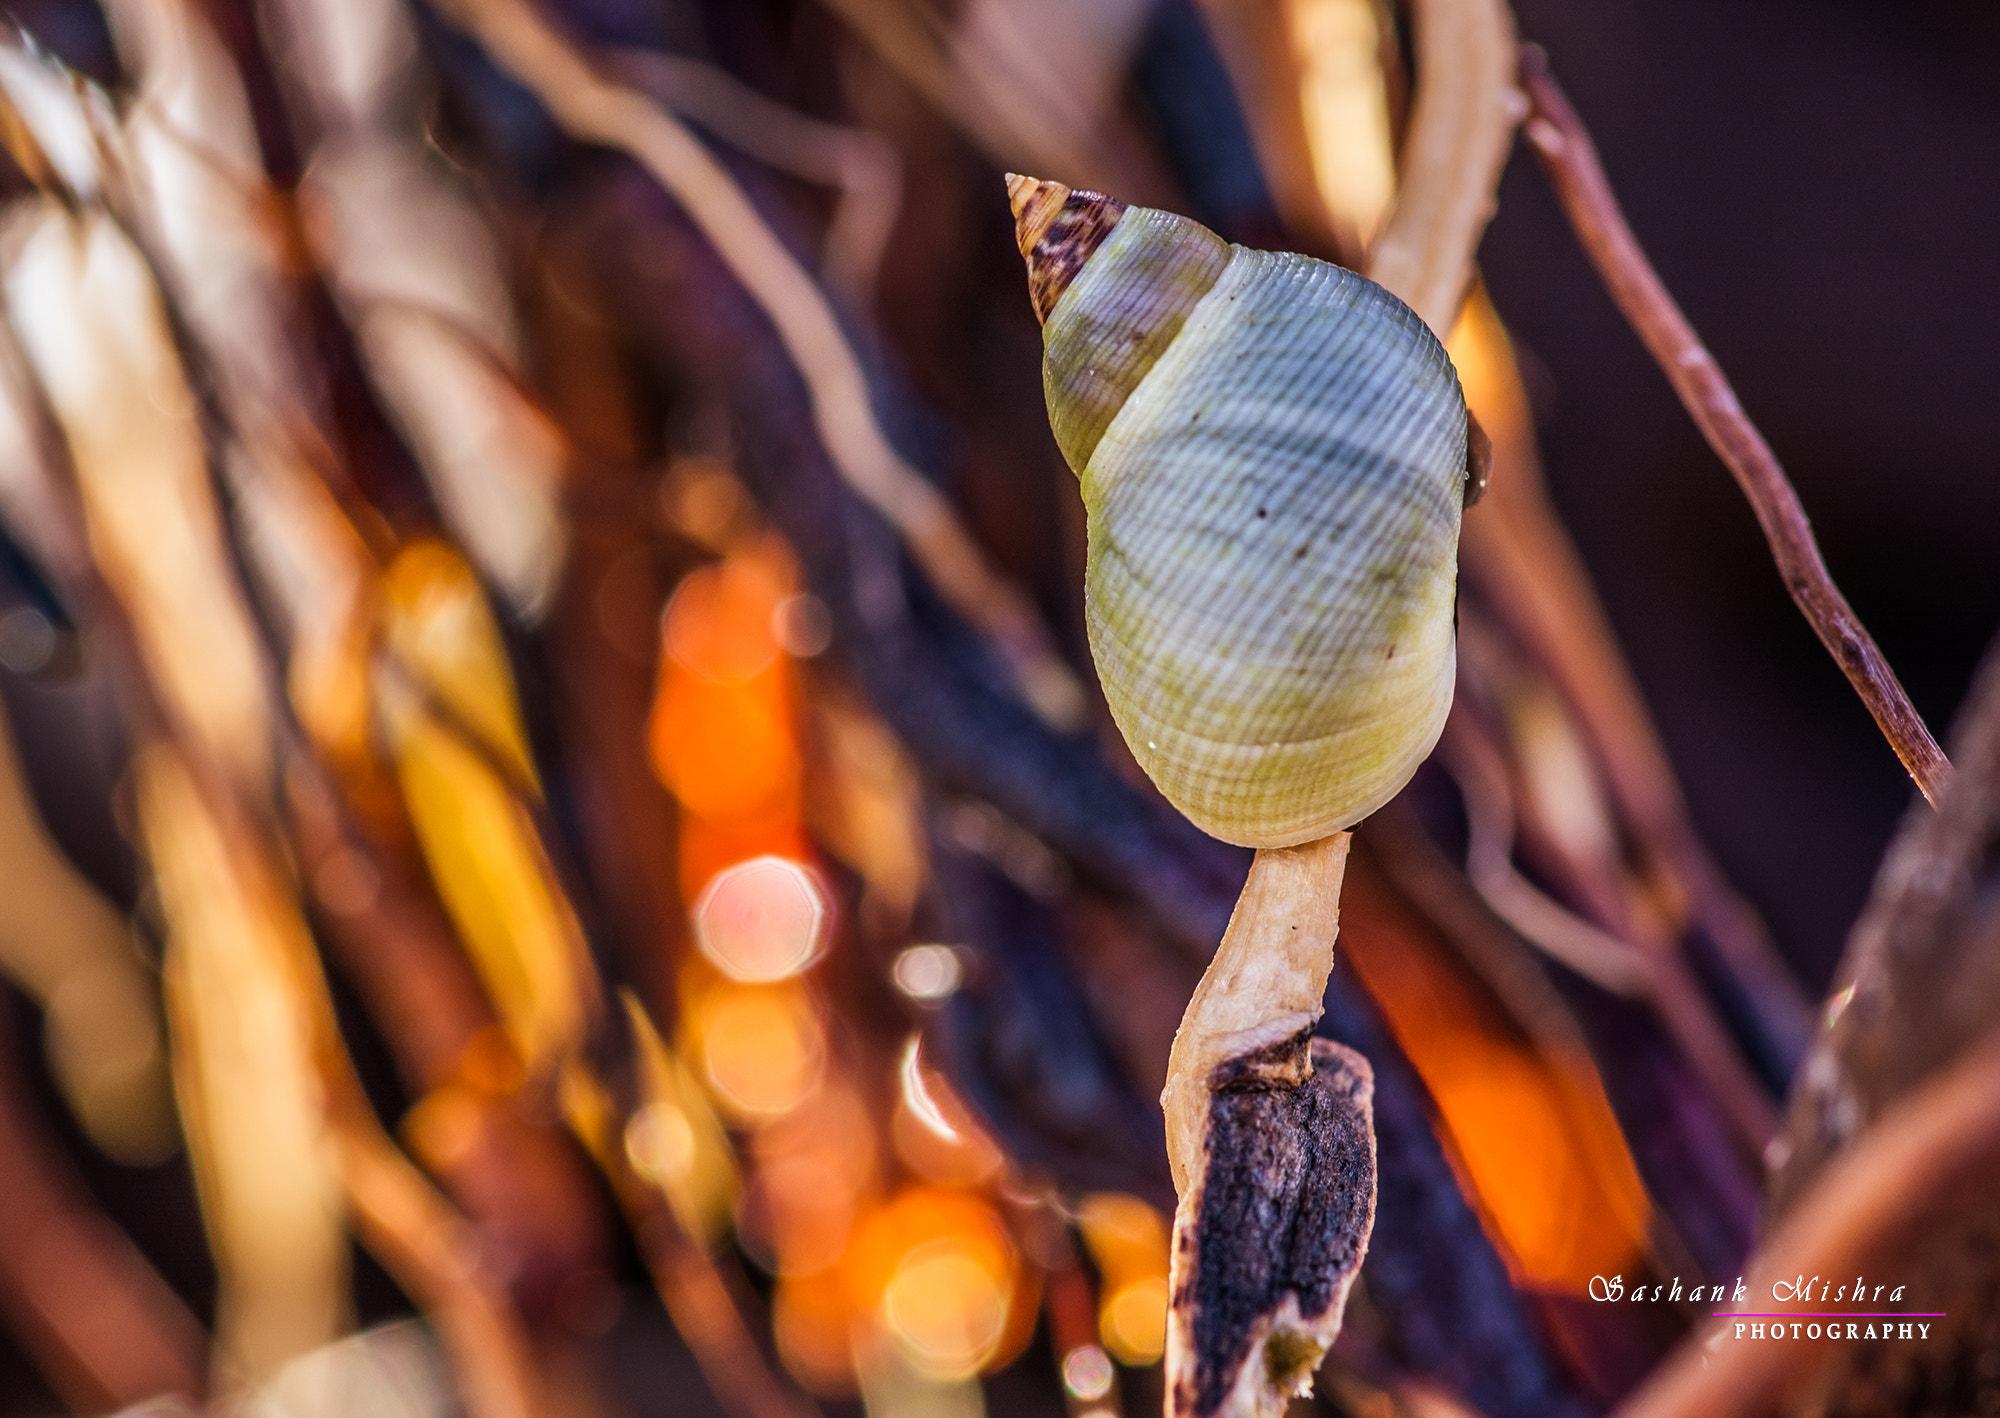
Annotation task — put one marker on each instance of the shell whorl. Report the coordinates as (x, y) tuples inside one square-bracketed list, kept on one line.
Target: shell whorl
[(1272, 453)]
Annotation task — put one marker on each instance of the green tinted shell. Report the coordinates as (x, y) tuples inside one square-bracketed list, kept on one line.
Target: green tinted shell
[(1273, 457)]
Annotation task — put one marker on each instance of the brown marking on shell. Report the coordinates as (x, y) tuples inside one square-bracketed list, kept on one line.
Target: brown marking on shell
[(1057, 228)]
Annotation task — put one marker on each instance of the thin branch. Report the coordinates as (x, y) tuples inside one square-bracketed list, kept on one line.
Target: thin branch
[(1460, 129), (594, 109), (1517, 553), (1570, 160)]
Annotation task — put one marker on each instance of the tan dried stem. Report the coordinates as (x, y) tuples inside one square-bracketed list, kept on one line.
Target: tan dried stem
[(434, 1254), (1656, 975), (1517, 552), (862, 164), (1461, 126), (595, 109), (1570, 160), (1264, 985), (1931, 1158)]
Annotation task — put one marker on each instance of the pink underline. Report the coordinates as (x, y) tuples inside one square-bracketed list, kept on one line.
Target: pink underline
[(1834, 1315)]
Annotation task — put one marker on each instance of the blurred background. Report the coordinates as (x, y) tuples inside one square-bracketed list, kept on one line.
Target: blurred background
[(528, 884)]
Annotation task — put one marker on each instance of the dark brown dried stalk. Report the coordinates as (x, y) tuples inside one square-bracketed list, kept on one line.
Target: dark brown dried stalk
[(1266, 1124), (1921, 978), (1929, 1164), (1570, 160), (97, 1320)]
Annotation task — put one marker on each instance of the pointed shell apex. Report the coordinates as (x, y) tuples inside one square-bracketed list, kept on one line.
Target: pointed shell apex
[(1056, 228)]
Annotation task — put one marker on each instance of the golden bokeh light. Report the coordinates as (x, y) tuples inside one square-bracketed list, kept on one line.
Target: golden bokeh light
[(721, 623), (939, 1270), (1129, 1242), (1133, 1319), (761, 1048), (659, 1143), (928, 973), (947, 1309)]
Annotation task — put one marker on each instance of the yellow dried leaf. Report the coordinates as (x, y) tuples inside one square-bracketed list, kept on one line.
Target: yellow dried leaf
[(436, 621), (493, 877), (675, 1140)]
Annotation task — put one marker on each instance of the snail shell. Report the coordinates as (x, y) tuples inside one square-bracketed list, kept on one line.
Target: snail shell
[(1273, 453)]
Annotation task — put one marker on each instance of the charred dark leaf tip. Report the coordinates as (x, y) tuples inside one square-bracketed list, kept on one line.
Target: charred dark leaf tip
[(1286, 1206)]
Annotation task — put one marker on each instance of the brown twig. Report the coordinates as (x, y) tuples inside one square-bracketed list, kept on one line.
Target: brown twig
[(1460, 128), (1570, 160)]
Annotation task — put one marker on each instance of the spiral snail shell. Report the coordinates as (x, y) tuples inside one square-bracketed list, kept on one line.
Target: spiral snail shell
[(1273, 455)]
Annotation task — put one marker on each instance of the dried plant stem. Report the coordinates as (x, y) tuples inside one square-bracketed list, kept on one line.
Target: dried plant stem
[(862, 164), (1461, 126), (1517, 552), (698, 1297), (1261, 1123), (598, 110), (1650, 970), (1933, 1157), (1264, 985), (433, 1253), (1570, 159)]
